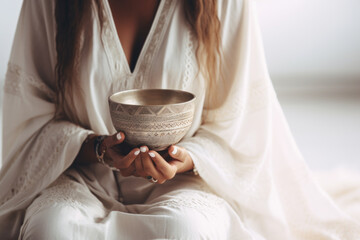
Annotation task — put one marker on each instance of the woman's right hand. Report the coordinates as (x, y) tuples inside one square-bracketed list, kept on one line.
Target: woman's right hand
[(115, 153)]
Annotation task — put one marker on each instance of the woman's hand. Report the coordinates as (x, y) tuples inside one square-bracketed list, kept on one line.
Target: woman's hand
[(115, 155), (151, 163), (137, 162)]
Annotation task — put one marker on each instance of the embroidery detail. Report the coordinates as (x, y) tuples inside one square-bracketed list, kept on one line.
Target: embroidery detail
[(45, 152), (16, 78), (201, 201), (189, 60), (61, 192), (154, 44), (112, 51)]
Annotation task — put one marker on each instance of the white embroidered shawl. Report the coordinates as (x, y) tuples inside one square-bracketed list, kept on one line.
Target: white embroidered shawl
[(242, 149)]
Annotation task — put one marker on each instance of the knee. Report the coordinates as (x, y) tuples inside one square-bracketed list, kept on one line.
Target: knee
[(204, 216), (189, 224), (47, 224), (186, 223)]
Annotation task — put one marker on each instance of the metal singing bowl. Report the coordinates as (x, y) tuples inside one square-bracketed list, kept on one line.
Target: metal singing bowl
[(156, 118)]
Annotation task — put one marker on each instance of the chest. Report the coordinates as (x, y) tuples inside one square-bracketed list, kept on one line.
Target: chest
[(133, 22)]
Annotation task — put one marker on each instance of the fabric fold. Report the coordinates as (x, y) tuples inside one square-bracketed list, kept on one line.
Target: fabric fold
[(36, 148), (245, 152)]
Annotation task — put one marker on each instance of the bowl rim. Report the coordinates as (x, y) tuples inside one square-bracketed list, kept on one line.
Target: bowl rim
[(152, 89)]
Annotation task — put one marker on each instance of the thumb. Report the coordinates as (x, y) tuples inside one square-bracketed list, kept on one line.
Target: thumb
[(115, 139), (181, 159), (178, 153)]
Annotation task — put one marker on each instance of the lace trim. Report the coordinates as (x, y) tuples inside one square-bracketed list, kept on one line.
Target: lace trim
[(16, 78), (112, 51), (61, 192), (189, 60), (154, 44), (43, 154), (201, 201)]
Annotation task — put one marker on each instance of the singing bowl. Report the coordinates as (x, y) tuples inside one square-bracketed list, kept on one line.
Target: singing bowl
[(156, 118)]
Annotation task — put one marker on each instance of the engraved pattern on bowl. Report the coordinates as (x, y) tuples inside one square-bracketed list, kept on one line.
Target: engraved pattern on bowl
[(156, 118)]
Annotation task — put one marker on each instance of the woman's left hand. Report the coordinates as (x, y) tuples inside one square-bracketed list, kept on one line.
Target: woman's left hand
[(150, 163)]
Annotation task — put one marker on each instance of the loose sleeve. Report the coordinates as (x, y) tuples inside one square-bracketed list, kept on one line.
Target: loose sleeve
[(36, 148), (245, 152), (234, 134)]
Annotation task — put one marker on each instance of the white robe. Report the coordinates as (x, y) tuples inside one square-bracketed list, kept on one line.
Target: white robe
[(254, 183)]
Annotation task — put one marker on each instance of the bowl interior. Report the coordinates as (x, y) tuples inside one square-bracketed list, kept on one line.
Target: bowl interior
[(151, 97)]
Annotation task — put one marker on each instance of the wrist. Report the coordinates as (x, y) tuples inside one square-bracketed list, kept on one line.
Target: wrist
[(86, 154), (100, 151), (192, 170), (189, 167)]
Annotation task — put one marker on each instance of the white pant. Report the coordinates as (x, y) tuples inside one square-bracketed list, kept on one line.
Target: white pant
[(182, 208)]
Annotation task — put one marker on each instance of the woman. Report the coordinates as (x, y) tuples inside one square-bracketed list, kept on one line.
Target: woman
[(252, 183)]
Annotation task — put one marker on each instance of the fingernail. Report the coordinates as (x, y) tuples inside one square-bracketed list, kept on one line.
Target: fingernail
[(152, 154), (137, 152), (174, 151), (143, 149), (118, 136)]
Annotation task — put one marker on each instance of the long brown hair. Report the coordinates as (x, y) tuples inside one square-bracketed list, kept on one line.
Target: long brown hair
[(70, 17)]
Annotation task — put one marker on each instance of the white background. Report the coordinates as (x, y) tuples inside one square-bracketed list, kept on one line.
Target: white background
[(311, 37), (313, 53)]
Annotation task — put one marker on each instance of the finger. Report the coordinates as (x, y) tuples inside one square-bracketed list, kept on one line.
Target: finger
[(168, 171), (165, 155), (149, 168), (126, 172), (113, 140), (178, 153), (138, 163), (128, 160), (178, 165), (161, 181), (138, 167)]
